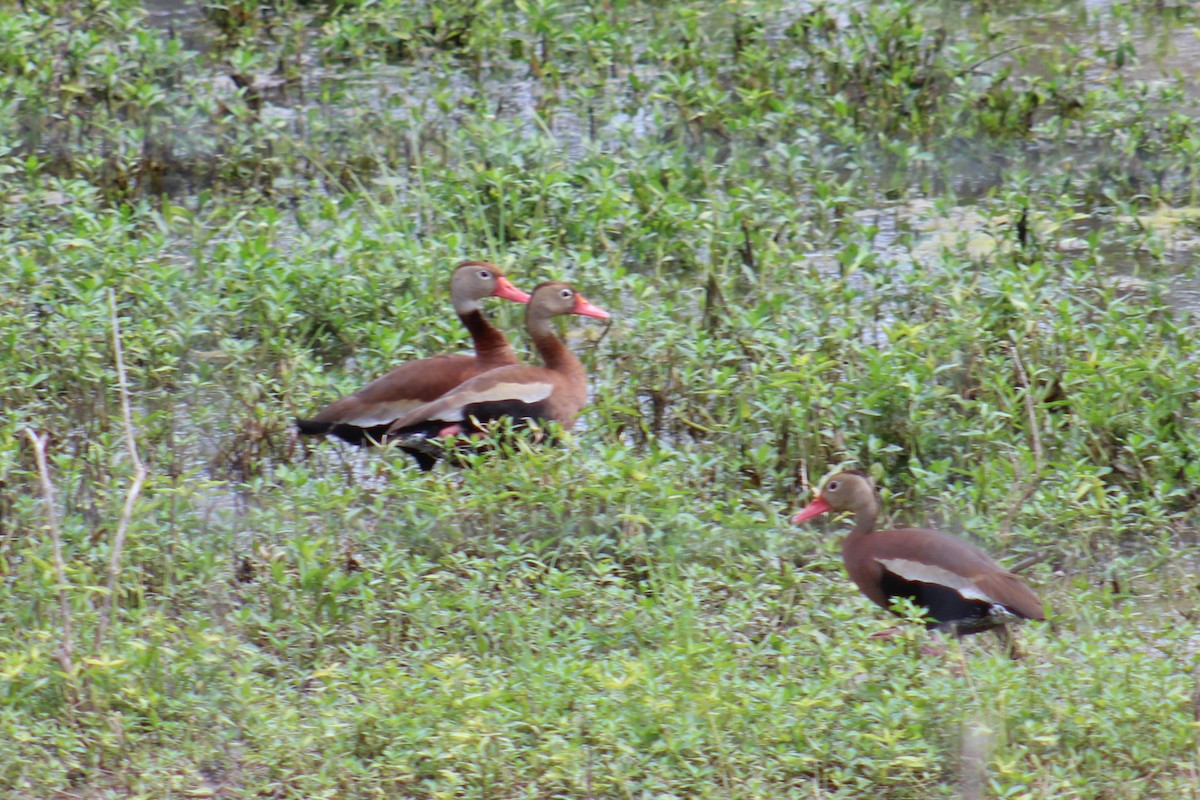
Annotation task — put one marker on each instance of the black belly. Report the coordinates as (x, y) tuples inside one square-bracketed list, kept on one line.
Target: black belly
[(421, 442), (947, 608), (520, 413)]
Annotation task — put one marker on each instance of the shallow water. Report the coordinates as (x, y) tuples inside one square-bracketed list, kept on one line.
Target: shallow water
[(1165, 45)]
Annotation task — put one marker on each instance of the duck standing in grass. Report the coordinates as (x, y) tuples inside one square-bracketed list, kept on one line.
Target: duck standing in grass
[(963, 590)]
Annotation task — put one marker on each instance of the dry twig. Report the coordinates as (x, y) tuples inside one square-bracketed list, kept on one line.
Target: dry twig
[(1035, 477), (66, 649), (135, 488)]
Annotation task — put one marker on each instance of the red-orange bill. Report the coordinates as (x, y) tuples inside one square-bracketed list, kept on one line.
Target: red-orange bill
[(586, 309), (505, 289), (814, 509)]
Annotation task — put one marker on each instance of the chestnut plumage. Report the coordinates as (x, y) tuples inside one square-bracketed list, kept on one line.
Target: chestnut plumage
[(362, 418), (554, 392), (963, 590)]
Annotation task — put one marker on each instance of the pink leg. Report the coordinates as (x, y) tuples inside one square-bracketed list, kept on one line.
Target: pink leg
[(887, 634), (457, 430)]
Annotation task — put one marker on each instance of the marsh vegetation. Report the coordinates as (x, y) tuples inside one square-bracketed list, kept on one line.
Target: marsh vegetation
[(953, 244)]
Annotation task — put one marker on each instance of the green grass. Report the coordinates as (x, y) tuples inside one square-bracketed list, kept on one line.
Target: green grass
[(807, 223)]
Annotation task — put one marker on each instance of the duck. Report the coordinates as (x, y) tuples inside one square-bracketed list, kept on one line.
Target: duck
[(961, 588), (524, 394), (363, 417)]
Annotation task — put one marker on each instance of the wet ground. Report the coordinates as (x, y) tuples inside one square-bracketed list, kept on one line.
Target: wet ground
[(1162, 47)]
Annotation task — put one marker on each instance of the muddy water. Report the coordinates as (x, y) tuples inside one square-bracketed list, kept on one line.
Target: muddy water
[(1165, 51), (1165, 48), (182, 18)]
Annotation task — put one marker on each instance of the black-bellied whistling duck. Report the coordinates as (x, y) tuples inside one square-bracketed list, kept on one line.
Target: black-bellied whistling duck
[(554, 392), (962, 589), (363, 417)]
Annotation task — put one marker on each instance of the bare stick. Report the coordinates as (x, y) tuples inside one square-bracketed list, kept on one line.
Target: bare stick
[(66, 650), (135, 488), (1027, 562), (1036, 440), (1029, 409)]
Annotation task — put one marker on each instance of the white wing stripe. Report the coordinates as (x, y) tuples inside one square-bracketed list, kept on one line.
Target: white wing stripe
[(381, 414), (929, 573)]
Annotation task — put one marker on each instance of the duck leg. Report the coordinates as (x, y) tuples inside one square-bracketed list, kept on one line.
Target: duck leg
[(1008, 642)]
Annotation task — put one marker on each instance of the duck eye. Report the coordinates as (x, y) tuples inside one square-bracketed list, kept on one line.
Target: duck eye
[(832, 486), (483, 273), (566, 293)]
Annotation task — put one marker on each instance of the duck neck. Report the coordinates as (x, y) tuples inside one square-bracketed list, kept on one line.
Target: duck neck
[(864, 524), (490, 343), (555, 355)]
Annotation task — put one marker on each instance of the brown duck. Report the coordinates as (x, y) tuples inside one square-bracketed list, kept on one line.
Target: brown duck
[(363, 417), (963, 590), (522, 393)]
